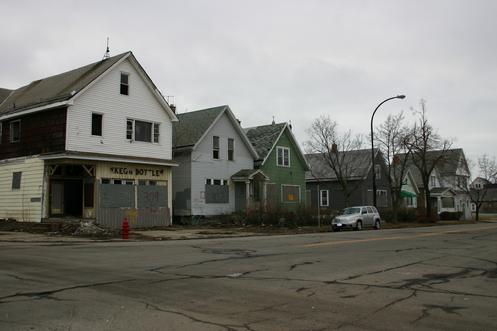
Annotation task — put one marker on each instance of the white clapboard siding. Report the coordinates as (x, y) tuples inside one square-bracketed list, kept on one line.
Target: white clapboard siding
[(104, 98), (17, 204), (204, 166)]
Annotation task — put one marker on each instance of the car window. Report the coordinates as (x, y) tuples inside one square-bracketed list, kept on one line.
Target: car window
[(351, 211), (364, 210), (370, 210), (375, 210)]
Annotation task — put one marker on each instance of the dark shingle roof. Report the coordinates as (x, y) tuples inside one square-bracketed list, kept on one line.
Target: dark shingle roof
[(358, 161), (4, 93), (264, 137), (192, 125), (56, 88)]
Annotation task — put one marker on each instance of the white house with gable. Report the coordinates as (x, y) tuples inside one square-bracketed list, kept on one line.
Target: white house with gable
[(91, 143)]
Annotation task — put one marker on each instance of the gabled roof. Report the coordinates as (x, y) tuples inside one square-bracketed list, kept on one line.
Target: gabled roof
[(62, 88), (448, 166), (193, 126), (265, 137), (358, 161), (4, 93), (248, 174)]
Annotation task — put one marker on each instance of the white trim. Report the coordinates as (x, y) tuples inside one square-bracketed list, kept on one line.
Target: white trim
[(290, 185), (37, 109), (327, 198), (283, 148), (227, 149), (107, 159)]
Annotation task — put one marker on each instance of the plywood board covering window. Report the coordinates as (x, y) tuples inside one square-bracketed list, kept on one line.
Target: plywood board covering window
[(290, 193)]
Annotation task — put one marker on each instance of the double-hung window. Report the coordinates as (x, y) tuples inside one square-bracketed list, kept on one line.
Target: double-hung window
[(324, 198), (96, 124), (231, 149), (16, 180), (142, 131), (282, 156), (124, 86), (215, 147), (15, 131)]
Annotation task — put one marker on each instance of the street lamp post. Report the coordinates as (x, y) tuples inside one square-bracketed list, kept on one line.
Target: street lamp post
[(372, 144)]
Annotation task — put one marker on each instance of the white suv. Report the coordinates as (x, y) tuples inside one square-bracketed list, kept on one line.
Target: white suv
[(357, 218)]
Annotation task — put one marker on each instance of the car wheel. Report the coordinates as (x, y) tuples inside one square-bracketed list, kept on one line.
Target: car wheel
[(377, 224), (358, 226)]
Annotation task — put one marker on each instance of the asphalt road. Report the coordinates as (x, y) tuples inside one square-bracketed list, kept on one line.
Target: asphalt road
[(441, 278)]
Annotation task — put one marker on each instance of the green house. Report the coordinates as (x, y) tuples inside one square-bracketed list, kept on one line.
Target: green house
[(281, 160)]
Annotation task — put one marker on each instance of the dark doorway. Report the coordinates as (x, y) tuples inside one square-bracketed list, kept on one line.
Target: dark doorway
[(240, 196), (73, 197)]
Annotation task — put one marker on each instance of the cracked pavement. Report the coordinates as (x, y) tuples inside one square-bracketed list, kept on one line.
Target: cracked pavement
[(442, 278)]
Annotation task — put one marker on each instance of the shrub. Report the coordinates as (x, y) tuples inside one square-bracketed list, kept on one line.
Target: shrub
[(450, 216)]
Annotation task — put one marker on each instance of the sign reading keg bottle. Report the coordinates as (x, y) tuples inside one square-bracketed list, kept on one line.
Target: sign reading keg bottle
[(137, 171)]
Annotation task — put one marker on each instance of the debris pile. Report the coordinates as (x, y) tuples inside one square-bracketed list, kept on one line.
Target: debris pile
[(89, 229)]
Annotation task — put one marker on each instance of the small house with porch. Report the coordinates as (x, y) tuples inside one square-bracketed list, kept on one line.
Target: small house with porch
[(284, 164)]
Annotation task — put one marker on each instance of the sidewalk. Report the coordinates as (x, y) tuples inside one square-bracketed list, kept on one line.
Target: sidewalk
[(185, 233)]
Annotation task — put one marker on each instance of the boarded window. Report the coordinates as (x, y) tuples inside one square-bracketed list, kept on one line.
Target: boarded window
[(215, 147), (16, 180), (124, 84), (96, 124), (152, 196), (15, 131), (217, 194), (0, 132), (290, 193), (231, 148), (116, 196), (283, 156)]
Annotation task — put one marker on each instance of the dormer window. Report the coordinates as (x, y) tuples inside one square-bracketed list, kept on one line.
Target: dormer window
[(124, 83)]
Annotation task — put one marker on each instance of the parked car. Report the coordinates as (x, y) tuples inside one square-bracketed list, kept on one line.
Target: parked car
[(357, 218)]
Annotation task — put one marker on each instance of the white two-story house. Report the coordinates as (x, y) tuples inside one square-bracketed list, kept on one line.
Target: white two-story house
[(213, 154), (448, 182), (91, 143)]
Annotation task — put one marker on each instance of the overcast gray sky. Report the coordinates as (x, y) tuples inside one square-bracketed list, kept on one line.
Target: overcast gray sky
[(294, 60)]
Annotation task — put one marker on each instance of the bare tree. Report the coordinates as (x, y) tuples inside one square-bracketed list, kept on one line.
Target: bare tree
[(428, 149), (325, 139), (487, 169), (392, 138)]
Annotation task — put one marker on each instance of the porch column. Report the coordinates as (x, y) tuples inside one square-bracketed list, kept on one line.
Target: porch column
[(247, 195)]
